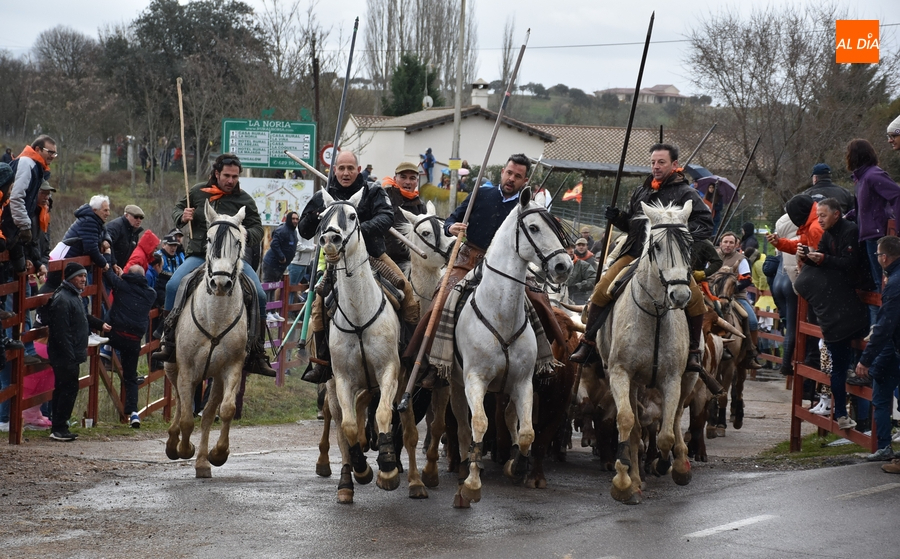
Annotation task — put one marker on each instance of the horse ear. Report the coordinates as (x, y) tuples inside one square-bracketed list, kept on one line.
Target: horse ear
[(357, 198), (327, 200), (410, 217), (429, 208), (541, 198), (648, 210), (686, 210), (209, 212), (524, 196), (241, 214)]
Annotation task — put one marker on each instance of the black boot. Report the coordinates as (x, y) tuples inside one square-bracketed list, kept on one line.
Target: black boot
[(750, 360), (166, 351), (694, 364), (586, 350), (258, 361), (320, 366)]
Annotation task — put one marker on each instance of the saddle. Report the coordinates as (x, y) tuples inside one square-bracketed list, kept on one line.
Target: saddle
[(195, 278), (618, 285), (391, 286)]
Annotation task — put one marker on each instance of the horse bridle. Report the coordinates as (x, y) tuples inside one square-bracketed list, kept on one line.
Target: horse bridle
[(437, 231), (666, 282), (332, 209), (231, 275), (554, 226)]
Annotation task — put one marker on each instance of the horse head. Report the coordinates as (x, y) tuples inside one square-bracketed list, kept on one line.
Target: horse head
[(668, 246), (547, 241), (225, 238), (427, 233), (339, 232)]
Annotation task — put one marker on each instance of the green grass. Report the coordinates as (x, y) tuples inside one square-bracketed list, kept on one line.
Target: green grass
[(814, 453)]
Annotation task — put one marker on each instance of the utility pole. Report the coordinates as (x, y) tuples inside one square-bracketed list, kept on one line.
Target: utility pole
[(457, 104), (315, 71)]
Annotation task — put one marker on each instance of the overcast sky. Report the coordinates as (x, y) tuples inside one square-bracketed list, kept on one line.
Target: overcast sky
[(565, 23)]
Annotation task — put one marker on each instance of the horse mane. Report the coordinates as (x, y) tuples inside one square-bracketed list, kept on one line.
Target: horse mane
[(678, 239), (221, 235)]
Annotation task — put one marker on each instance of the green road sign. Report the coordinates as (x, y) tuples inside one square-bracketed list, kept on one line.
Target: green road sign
[(261, 143)]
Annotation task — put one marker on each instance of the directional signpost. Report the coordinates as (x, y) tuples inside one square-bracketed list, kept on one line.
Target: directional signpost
[(261, 143)]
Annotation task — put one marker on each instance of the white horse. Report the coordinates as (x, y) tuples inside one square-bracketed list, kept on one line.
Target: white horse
[(426, 232), (364, 356), (645, 343), (496, 342), (212, 341)]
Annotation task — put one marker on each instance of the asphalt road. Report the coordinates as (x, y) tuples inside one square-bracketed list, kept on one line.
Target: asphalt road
[(268, 502)]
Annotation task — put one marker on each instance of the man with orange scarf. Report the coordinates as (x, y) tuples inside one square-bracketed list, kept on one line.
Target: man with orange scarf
[(32, 168), (666, 185), (224, 193), (403, 190)]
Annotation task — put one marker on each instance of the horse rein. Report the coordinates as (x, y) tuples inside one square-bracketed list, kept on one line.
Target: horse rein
[(332, 209), (231, 275), (437, 231), (554, 226)]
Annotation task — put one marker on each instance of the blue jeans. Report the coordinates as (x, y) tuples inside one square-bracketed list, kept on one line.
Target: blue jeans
[(877, 272), (5, 380), (751, 314), (841, 359), (298, 274), (190, 264), (885, 373), (786, 300)]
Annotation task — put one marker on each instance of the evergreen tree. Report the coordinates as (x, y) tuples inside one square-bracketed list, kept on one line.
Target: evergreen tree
[(408, 87)]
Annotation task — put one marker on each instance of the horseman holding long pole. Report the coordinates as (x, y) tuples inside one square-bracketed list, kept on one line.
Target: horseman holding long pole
[(666, 185), (223, 192), (375, 219)]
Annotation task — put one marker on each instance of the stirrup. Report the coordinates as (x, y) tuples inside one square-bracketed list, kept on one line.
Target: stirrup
[(317, 372), (585, 353)]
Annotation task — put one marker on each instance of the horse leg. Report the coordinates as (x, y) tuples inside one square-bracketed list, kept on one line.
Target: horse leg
[(232, 381), (323, 464), (471, 488), (186, 417), (521, 398), (681, 469), (634, 445), (463, 436), (410, 441), (672, 399), (361, 470), (202, 464), (345, 481), (619, 384), (175, 426), (388, 472), (348, 403), (737, 398), (439, 400)]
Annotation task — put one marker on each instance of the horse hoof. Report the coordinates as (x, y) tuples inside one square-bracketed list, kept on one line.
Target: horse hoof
[(661, 467), (430, 478), (460, 503), (345, 496), (711, 433), (365, 477), (203, 472), (720, 431), (172, 453), (187, 454), (621, 495), (682, 478), (323, 470), (417, 492), (542, 483), (738, 421), (469, 494), (388, 481), (636, 498), (218, 458), (530, 483), (509, 470)]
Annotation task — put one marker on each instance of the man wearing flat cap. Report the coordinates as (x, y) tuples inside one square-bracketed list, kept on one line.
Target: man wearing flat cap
[(124, 232), (403, 190), (67, 340)]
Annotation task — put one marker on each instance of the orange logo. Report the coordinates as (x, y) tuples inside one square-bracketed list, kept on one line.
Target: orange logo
[(856, 41)]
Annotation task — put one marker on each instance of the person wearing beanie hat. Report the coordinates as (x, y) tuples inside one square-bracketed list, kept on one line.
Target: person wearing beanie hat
[(893, 134), (69, 326)]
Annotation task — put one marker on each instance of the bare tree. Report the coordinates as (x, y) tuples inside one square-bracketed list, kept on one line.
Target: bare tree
[(773, 75), (508, 53)]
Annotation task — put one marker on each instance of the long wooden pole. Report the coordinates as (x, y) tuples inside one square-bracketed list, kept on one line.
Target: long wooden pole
[(187, 186), (736, 189), (634, 101), (438, 304), (301, 345), (700, 145)]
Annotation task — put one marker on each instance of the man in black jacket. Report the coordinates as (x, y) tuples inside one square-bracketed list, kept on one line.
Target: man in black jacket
[(880, 358), (404, 194), (128, 316), (69, 326), (823, 188), (375, 218), (124, 232), (667, 184)]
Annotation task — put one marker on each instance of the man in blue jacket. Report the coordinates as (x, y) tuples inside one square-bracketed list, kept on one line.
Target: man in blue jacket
[(884, 343), (281, 252)]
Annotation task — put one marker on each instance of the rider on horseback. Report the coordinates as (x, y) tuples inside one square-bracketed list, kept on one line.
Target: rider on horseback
[(376, 217), (224, 194), (666, 185)]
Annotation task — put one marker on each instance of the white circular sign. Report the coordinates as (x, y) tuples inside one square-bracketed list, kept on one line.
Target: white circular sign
[(328, 156)]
